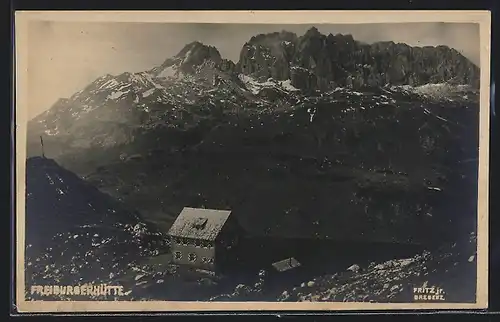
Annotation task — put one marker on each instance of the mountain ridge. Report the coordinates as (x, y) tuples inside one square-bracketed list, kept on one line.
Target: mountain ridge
[(295, 65), (211, 53), (312, 32), (315, 61)]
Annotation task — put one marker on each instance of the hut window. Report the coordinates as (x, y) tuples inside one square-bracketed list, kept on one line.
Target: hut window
[(192, 257), (177, 255)]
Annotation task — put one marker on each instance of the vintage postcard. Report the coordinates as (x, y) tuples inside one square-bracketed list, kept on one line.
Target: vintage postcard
[(207, 161)]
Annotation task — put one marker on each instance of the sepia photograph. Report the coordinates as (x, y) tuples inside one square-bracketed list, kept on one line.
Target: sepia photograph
[(251, 160)]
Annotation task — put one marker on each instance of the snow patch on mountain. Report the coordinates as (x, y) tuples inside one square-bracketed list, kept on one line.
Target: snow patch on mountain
[(287, 85), (52, 132), (117, 95), (255, 86), (140, 78), (124, 86), (169, 72), (188, 54), (109, 84), (148, 92), (435, 91)]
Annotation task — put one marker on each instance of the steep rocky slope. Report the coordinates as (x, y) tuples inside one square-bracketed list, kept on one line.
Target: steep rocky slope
[(448, 274), (452, 269), (76, 234)]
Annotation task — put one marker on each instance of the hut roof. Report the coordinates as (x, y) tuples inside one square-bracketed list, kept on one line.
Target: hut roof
[(204, 224), (286, 264)]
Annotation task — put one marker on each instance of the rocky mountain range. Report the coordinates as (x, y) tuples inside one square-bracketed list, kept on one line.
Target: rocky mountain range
[(77, 234), (303, 136), (199, 78)]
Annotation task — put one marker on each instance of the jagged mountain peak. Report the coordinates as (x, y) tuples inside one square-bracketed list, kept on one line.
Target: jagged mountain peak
[(197, 48), (313, 31), (272, 38), (190, 59), (338, 37), (189, 47)]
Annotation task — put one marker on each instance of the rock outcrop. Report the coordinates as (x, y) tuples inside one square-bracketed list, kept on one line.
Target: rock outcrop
[(268, 56), (318, 62), (193, 57)]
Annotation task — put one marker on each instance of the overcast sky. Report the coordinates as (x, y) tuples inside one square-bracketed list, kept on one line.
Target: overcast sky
[(66, 56)]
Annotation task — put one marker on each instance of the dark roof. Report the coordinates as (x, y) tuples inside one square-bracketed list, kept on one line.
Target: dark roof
[(286, 264), (195, 223)]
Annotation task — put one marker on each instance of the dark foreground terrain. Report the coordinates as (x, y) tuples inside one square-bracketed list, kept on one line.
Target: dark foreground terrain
[(76, 234)]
